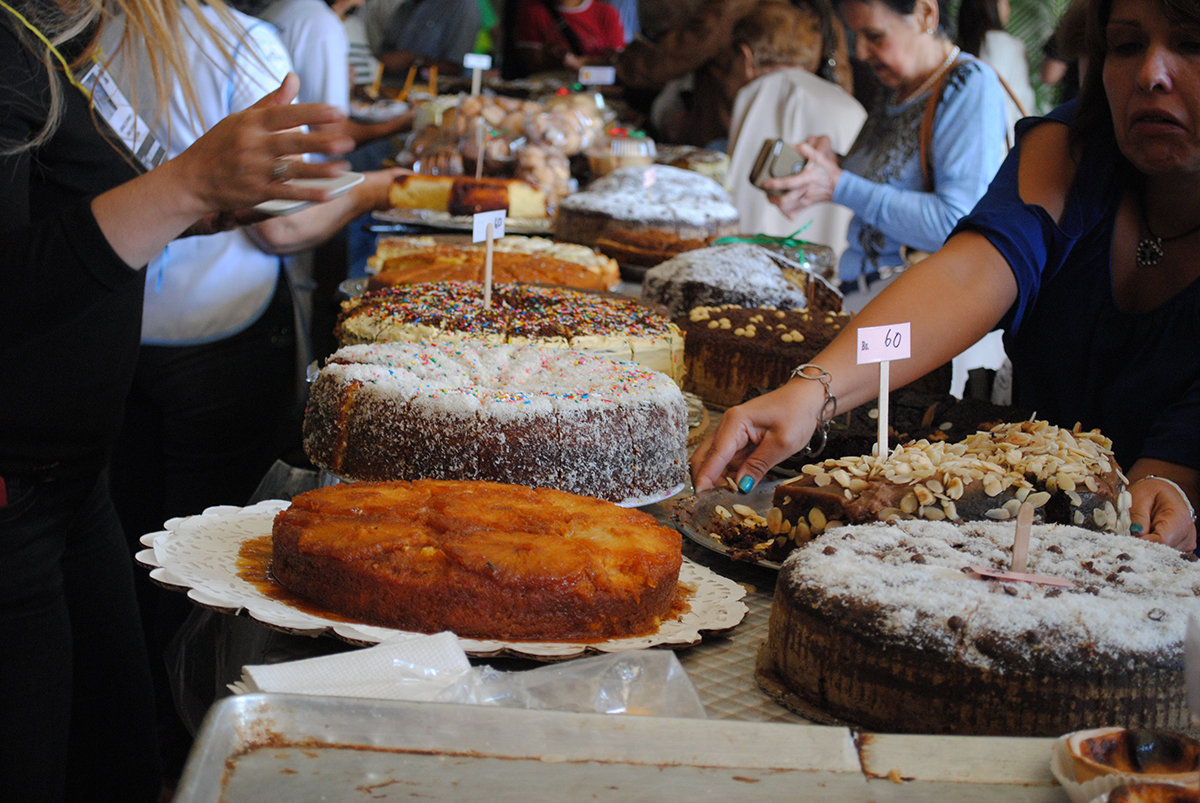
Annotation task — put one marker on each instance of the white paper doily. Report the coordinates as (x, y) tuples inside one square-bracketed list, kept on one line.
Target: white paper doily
[(199, 554)]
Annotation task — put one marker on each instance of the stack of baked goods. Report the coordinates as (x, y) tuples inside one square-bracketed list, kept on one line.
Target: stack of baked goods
[(410, 260), (525, 415), (711, 163), (644, 219), (743, 274), (553, 317), (905, 628), (462, 195), (483, 560)]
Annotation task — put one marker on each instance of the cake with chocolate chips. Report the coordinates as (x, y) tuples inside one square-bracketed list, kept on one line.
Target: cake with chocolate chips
[(734, 353), (525, 415), (887, 628)]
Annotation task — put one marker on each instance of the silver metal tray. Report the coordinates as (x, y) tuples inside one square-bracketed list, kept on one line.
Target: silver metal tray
[(293, 749)]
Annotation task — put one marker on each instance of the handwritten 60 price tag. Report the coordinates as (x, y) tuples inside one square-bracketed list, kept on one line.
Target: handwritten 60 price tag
[(884, 343), (480, 223)]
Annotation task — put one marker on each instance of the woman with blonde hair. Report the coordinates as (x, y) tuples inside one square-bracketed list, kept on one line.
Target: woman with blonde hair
[(87, 202)]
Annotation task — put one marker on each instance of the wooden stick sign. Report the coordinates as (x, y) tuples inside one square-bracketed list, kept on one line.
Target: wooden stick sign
[(488, 226), (882, 344), (1020, 557)]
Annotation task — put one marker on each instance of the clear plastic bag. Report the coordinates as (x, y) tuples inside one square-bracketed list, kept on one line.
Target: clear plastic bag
[(649, 682)]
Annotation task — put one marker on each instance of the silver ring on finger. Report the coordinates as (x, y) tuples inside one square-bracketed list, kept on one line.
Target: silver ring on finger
[(280, 169)]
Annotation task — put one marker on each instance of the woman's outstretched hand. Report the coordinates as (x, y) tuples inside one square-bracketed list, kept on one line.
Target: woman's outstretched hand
[(754, 436), (248, 157)]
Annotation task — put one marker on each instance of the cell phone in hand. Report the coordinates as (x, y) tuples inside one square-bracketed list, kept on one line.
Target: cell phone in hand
[(776, 160)]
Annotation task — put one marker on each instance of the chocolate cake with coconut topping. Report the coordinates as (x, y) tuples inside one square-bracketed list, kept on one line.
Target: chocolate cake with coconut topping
[(514, 414), (742, 274), (885, 627), (637, 221)]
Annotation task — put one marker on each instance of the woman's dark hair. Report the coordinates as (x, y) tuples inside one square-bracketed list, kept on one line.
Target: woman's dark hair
[(1094, 113), (975, 19), (906, 7)]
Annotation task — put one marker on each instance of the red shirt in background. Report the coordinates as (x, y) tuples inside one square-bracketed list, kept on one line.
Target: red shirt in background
[(595, 22)]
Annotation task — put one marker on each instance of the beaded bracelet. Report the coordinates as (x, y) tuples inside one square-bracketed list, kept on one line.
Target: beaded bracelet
[(828, 409), (1175, 485)]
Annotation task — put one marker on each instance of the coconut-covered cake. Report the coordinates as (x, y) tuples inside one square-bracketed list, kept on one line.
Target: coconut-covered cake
[(887, 628), (643, 220), (742, 274), (524, 415), (453, 312)]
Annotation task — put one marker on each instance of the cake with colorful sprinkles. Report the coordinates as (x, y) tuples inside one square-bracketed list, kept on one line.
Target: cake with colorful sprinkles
[(453, 312), (887, 628), (542, 417)]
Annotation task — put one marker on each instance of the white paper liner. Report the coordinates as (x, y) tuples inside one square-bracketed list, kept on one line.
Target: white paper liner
[(199, 554), (1095, 790)]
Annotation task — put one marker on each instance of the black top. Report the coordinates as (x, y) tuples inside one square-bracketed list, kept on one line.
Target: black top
[(70, 309)]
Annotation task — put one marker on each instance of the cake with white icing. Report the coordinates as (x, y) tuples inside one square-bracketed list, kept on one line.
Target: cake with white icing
[(524, 415), (743, 274), (606, 326), (886, 628), (642, 220)]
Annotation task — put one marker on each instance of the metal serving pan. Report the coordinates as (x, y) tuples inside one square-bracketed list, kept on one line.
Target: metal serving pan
[(266, 748)]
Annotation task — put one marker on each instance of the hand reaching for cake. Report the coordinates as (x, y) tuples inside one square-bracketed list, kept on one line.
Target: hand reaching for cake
[(756, 435), (1161, 510)]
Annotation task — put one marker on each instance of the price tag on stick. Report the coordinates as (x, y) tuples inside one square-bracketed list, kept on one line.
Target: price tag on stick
[(598, 76), (477, 63), (882, 344), (488, 226)]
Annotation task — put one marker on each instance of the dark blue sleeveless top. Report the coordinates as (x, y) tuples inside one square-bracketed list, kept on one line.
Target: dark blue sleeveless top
[(1076, 356)]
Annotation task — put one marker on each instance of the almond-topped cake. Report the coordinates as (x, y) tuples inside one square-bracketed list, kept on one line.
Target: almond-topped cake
[(481, 559), (884, 626), (554, 317), (525, 415), (1069, 476)]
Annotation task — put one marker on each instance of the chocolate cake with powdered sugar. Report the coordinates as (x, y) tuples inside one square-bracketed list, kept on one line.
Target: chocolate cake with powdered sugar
[(639, 221), (885, 627), (523, 415), (743, 274)]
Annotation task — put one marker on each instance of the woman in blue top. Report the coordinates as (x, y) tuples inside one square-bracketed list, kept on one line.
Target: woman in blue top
[(1086, 250), (881, 178)]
